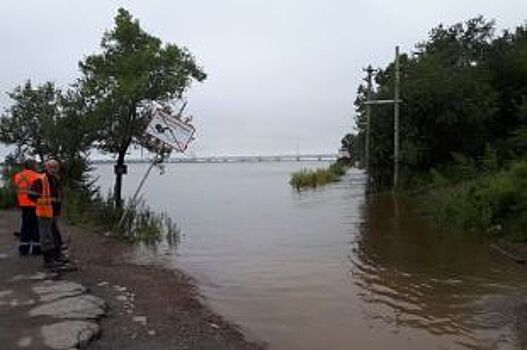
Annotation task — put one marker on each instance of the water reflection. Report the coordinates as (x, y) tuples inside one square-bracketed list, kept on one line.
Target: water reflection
[(413, 277)]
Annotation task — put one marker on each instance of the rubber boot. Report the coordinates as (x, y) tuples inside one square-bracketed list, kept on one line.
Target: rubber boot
[(36, 249), (59, 257), (49, 261), (23, 248)]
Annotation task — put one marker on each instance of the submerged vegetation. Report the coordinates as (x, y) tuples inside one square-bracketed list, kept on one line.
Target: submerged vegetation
[(307, 178), (141, 224)]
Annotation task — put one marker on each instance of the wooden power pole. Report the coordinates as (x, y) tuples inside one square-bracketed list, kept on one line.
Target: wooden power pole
[(370, 71), (397, 101)]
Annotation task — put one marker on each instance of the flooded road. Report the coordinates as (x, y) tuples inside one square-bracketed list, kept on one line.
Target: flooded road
[(329, 268)]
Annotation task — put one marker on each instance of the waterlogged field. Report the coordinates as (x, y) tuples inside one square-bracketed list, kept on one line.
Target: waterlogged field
[(328, 268)]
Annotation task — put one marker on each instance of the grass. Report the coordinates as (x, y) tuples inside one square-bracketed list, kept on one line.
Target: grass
[(306, 178)]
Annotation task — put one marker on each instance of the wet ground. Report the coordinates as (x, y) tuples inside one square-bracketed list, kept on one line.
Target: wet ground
[(149, 308)]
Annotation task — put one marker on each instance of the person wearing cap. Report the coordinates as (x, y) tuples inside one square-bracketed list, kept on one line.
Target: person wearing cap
[(46, 192), (29, 237)]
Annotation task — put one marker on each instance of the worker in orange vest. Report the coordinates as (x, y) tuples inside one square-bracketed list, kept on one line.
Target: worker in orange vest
[(29, 237), (46, 191)]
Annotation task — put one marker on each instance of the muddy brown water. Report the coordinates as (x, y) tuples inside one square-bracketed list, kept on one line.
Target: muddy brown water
[(330, 268)]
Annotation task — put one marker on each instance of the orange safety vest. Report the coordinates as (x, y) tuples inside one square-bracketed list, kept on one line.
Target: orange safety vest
[(23, 181), (44, 203)]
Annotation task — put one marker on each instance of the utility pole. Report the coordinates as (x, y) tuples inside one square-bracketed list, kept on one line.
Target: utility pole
[(397, 101), (370, 71)]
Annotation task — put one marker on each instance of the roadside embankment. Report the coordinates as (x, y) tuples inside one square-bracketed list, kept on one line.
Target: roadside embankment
[(144, 307)]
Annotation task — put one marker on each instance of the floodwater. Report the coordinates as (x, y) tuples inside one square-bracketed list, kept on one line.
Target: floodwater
[(329, 268)]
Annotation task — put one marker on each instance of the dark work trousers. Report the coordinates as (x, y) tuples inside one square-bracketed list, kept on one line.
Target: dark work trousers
[(56, 234), (50, 237), (29, 235)]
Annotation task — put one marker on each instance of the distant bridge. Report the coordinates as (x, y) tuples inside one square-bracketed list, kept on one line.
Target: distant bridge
[(322, 157), (256, 159)]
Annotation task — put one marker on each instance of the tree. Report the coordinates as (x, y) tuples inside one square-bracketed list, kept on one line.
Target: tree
[(133, 67), (353, 144), (28, 123), (44, 122), (450, 103)]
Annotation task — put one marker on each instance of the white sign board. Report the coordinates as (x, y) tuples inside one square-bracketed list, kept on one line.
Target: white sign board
[(170, 130)]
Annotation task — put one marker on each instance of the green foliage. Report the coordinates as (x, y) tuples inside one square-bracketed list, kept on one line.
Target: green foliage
[(133, 67), (313, 178), (7, 191), (465, 105), (89, 208), (7, 197), (495, 203), (29, 124), (46, 123), (354, 145)]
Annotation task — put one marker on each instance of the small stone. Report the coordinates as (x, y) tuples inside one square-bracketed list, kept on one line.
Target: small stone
[(24, 342), (140, 319), (214, 325), (39, 276), (6, 292), (151, 332), (53, 290), (79, 307), (122, 298), (17, 302), (119, 288), (103, 284), (4, 256), (69, 334)]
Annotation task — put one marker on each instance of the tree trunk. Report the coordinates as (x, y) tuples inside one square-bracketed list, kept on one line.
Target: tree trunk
[(117, 193)]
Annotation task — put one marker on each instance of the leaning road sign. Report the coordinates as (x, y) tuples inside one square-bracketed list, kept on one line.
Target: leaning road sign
[(170, 129), (165, 131)]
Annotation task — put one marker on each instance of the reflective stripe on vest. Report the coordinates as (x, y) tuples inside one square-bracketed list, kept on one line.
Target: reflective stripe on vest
[(23, 181), (44, 205)]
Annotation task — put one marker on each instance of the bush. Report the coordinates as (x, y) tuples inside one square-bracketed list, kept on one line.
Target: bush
[(493, 203), (7, 191), (7, 197)]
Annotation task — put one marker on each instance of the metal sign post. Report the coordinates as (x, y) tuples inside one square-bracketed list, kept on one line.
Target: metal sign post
[(154, 162), (165, 131)]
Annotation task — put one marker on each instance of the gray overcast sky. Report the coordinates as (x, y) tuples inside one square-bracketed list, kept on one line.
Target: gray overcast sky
[(282, 73)]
